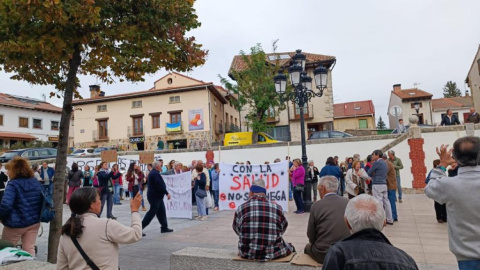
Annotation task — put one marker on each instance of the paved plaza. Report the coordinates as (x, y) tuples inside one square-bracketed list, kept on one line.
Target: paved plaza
[(417, 233)]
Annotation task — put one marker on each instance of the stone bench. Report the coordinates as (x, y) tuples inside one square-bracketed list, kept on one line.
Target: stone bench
[(213, 259), (30, 265)]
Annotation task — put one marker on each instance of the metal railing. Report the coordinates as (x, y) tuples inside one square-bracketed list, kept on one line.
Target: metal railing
[(100, 136), (135, 131), (231, 128)]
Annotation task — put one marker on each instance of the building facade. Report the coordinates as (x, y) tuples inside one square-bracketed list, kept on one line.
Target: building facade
[(24, 119), (406, 99), (460, 107), (354, 115), (318, 112), (473, 80), (178, 112)]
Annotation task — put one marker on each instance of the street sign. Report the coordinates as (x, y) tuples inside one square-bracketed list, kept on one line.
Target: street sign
[(395, 110)]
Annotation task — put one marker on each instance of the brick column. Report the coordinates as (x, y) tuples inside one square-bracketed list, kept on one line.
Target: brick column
[(417, 156)]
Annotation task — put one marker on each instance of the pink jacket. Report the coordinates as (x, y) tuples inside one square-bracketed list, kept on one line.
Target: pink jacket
[(298, 176)]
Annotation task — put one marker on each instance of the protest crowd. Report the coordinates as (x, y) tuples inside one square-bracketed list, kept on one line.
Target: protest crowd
[(353, 200)]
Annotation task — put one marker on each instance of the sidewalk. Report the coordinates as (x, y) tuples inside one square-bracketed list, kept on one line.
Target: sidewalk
[(417, 233)]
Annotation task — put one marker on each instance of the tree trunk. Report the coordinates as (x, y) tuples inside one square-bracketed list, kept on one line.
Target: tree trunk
[(61, 160)]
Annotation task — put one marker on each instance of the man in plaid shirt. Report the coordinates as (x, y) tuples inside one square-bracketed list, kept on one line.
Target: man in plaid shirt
[(259, 225)]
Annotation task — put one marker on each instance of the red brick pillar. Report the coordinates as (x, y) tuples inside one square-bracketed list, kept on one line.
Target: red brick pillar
[(417, 156)]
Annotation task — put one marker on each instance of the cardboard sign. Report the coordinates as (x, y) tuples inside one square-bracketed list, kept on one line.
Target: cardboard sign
[(146, 157), (109, 156), (235, 182), (122, 161)]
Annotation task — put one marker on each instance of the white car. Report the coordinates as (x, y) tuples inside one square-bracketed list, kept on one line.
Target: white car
[(83, 152)]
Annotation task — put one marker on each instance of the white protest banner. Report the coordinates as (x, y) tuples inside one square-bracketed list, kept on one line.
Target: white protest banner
[(236, 179), (179, 187), (123, 161)]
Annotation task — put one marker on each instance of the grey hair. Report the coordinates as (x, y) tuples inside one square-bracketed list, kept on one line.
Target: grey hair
[(365, 212), (329, 182), (391, 152), (155, 164), (177, 163)]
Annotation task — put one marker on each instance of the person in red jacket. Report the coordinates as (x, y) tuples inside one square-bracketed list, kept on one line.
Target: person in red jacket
[(135, 177)]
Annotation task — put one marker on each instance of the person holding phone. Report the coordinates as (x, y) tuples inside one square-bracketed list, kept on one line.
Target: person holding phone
[(135, 178)]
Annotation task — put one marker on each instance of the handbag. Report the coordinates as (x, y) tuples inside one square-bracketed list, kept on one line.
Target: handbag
[(47, 213), (209, 203), (299, 187), (84, 255), (201, 193)]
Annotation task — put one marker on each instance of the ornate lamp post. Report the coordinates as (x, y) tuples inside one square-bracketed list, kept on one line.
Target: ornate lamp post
[(301, 95)]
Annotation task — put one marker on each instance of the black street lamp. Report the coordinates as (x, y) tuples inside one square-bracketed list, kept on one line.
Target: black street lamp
[(301, 95)]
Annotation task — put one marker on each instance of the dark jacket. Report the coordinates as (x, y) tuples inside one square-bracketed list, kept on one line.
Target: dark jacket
[(326, 224), (315, 173), (156, 186), (391, 176), (333, 170), (367, 249), (473, 118), (447, 122), (75, 178), (200, 184), (104, 178), (378, 172), (50, 173), (21, 203)]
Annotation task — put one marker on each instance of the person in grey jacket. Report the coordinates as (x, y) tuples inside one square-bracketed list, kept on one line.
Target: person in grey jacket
[(378, 172), (460, 194)]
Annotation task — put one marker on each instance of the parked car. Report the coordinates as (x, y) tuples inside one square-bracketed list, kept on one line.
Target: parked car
[(327, 134), (31, 154), (99, 150), (83, 152)]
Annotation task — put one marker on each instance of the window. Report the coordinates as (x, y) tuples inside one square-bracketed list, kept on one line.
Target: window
[(54, 125), (103, 129), (174, 99), (336, 134), (362, 123), (412, 105), (175, 118), (101, 108), (37, 123), (1, 121), (305, 109), (137, 126), (156, 121), (137, 104), (23, 122)]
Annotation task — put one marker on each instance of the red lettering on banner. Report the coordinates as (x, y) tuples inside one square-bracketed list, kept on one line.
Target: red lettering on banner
[(246, 182), (235, 180), (275, 180)]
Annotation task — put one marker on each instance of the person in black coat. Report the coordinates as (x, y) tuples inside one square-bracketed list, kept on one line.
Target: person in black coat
[(106, 186), (156, 191), (449, 119), (312, 173)]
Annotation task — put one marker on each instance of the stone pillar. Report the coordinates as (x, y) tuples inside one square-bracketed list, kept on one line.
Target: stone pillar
[(417, 155)]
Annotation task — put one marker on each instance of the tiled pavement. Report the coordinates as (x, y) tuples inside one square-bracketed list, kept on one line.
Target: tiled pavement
[(417, 233)]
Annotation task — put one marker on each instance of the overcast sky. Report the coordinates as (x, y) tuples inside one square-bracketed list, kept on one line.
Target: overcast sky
[(377, 43)]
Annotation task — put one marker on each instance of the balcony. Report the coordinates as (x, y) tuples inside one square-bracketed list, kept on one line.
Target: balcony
[(135, 131), (174, 128), (219, 129), (229, 128), (295, 113), (272, 119), (98, 136)]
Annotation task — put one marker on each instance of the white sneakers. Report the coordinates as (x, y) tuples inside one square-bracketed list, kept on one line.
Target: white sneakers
[(201, 218)]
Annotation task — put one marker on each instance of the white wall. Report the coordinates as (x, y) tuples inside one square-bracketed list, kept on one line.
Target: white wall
[(11, 122)]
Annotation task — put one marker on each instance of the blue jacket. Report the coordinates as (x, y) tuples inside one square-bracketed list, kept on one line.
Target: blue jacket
[(21, 203), (333, 170), (215, 180), (103, 179), (156, 186), (378, 172), (50, 172)]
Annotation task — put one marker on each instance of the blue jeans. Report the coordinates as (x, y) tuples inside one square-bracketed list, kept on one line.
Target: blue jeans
[(48, 189), (392, 196), (116, 196), (216, 194), (469, 265), (107, 197), (297, 196), (141, 193), (399, 187), (341, 187), (202, 210), (290, 191)]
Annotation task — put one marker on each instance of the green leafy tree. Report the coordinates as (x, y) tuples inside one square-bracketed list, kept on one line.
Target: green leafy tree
[(381, 124), (255, 89), (52, 42), (451, 90)]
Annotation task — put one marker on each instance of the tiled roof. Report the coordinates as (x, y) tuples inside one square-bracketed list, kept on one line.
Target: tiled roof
[(284, 59), (17, 135), (413, 93), (27, 103), (352, 109), (451, 103)]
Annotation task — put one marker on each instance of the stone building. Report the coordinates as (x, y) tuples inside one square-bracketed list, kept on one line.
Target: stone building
[(178, 112), (405, 99), (318, 113), (473, 80), (354, 115)]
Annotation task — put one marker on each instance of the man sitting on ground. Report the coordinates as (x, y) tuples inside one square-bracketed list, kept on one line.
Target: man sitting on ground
[(367, 247), (326, 225), (260, 225)]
